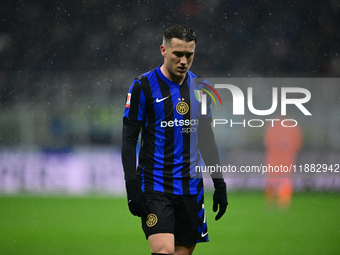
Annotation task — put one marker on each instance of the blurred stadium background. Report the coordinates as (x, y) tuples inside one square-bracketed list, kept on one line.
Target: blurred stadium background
[(65, 68)]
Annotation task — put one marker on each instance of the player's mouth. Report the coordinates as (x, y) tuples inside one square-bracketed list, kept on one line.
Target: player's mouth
[(182, 69)]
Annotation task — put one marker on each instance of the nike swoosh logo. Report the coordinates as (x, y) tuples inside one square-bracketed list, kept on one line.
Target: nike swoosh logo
[(160, 100), (203, 235)]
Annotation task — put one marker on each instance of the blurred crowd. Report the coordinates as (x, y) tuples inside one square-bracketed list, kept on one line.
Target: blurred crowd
[(235, 38), (62, 62)]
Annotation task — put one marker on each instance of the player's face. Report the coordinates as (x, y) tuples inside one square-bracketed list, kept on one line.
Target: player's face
[(178, 56)]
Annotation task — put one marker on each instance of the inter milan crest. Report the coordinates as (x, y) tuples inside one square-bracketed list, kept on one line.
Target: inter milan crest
[(151, 220), (182, 107)]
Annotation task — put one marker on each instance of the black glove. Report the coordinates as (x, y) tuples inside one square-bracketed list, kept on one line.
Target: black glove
[(135, 196), (220, 197)]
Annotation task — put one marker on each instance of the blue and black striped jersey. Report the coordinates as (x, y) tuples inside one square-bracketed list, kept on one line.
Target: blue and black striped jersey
[(170, 118)]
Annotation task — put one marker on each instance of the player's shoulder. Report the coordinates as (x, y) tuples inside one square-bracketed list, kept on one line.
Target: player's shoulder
[(143, 79), (143, 84), (199, 81), (193, 75)]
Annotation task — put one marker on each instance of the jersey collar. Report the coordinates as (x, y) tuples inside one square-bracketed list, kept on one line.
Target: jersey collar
[(159, 72)]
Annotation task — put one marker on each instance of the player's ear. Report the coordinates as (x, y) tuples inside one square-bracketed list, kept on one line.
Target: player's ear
[(163, 50)]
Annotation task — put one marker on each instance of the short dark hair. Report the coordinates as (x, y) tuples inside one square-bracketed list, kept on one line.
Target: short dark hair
[(181, 32)]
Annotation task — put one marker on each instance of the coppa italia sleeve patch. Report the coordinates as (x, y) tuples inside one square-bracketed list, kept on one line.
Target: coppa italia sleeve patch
[(128, 100)]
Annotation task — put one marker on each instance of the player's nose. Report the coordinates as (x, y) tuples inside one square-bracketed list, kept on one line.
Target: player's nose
[(183, 60)]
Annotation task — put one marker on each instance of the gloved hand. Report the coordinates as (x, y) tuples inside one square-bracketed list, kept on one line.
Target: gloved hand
[(135, 196), (220, 197)]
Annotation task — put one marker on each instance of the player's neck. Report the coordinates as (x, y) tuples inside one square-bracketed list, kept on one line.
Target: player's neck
[(175, 79)]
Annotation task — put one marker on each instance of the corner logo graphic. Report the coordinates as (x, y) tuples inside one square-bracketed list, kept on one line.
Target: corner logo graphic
[(182, 107), (239, 102), (202, 98)]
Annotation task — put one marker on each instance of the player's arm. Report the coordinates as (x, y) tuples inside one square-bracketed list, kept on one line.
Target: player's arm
[(210, 155), (129, 143), (132, 123), (133, 181)]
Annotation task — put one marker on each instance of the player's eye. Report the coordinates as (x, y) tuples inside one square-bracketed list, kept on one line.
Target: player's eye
[(179, 54)]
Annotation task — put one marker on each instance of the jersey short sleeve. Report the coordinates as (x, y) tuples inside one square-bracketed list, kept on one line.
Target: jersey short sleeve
[(134, 113)]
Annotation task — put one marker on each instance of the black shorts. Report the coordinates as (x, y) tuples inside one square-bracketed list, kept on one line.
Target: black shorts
[(181, 215)]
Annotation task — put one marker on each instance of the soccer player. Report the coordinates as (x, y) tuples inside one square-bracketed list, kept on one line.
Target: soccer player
[(165, 190), (282, 146)]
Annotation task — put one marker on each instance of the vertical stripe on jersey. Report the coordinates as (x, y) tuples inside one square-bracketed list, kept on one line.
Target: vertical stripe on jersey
[(168, 135), (134, 104), (185, 94), (178, 145), (157, 180), (146, 156)]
